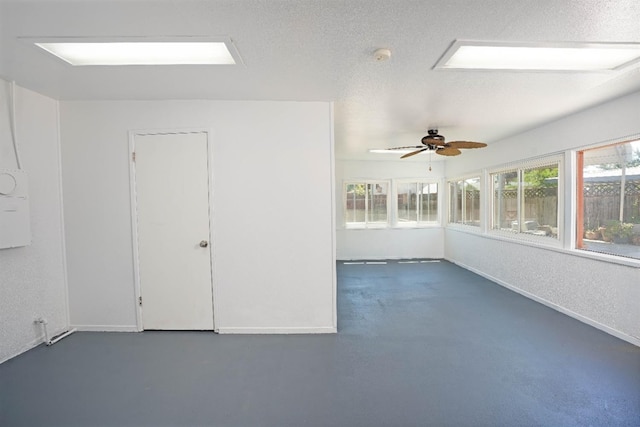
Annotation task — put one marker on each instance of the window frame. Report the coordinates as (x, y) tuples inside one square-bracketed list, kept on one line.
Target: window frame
[(578, 200), (366, 225), (464, 223), (520, 168), (416, 223)]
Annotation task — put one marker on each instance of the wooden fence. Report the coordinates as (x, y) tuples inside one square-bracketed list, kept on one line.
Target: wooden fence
[(541, 205), (602, 202)]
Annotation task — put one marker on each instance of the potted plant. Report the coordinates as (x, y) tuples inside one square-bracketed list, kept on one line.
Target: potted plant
[(592, 234), (619, 232), (635, 232)]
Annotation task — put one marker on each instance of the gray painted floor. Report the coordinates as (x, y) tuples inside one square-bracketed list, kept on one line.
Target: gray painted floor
[(425, 344)]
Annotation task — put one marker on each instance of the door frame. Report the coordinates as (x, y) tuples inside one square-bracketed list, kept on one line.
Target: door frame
[(134, 214)]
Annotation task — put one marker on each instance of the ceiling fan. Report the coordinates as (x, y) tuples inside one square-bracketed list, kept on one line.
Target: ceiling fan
[(435, 142)]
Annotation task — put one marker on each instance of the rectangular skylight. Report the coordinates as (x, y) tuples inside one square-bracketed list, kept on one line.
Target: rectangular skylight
[(140, 53), (539, 56)]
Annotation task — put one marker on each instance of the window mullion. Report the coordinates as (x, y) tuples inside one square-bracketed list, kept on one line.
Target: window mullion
[(366, 204), (463, 212), (520, 198), (418, 202)]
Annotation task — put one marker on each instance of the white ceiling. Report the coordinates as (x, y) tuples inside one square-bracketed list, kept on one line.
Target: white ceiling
[(323, 50)]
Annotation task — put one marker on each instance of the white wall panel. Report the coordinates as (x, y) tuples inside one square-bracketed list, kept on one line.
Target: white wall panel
[(611, 120), (273, 234), (390, 243), (32, 278)]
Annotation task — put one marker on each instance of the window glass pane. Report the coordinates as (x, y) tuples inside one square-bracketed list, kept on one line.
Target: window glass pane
[(429, 202), (472, 202), (377, 203), (355, 208), (539, 193), (407, 202), (505, 200), (610, 187)]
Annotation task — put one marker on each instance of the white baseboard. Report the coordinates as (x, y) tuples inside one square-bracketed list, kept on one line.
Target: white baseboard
[(231, 330), (389, 258), (294, 330), (618, 334), (105, 328)]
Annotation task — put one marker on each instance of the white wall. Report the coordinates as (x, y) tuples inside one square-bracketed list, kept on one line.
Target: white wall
[(274, 267), (611, 120), (387, 243), (32, 278), (600, 293)]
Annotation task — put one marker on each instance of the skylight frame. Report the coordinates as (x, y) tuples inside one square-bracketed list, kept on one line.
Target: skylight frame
[(227, 41), (441, 64)]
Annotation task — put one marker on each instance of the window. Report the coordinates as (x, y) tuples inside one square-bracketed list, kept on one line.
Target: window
[(464, 202), (608, 199), (525, 200), (417, 203), (366, 204)]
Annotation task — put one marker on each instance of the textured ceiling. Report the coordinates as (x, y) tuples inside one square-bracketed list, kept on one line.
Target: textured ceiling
[(323, 50)]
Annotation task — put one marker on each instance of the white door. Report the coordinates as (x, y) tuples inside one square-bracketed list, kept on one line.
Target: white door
[(174, 254)]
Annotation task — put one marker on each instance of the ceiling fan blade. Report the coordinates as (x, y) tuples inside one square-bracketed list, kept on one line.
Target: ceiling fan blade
[(466, 144), (413, 153), (405, 148), (448, 151)]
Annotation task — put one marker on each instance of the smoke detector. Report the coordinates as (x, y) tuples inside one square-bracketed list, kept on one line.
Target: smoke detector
[(381, 54)]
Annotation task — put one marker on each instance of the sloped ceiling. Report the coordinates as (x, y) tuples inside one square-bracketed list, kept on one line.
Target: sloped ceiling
[(314, 50)]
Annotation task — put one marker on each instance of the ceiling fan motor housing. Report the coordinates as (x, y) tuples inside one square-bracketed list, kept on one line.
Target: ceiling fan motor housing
[(433, 138)]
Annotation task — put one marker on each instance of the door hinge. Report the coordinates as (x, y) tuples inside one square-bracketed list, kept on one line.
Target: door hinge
[(133, 156), (139, 300)]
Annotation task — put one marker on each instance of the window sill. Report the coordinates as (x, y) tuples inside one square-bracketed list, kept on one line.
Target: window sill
[(614, 259), (416, 226), (533, 237), (395, 227), (366, 227), (474, 229)]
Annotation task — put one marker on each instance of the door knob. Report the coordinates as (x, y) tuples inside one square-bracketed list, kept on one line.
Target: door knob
[(204, 244)]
